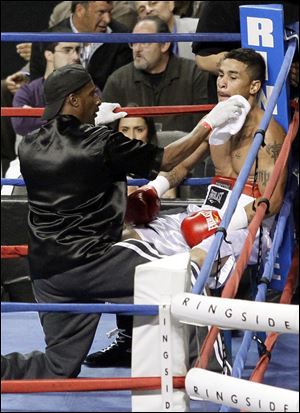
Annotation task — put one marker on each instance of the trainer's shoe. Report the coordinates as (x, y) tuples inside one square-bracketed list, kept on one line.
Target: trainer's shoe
[(117, 354)]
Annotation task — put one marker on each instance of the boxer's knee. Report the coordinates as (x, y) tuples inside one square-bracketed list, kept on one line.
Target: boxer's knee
[(198, 256)]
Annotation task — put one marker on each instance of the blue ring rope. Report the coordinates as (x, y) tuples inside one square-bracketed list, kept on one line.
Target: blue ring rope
[(244, 173), (126, 309), (119, 37), (131, 182)]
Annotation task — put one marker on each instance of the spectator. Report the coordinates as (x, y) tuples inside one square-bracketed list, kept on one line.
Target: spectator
[(32, 94), (156, 77), (123, 12), (143, 129), (100, 59), (188, 8), (75, 175), (9, 86), (165, 10)]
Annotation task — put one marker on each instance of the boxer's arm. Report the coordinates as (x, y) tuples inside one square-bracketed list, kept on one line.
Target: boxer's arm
[(180, 172), (144, 203), (266, 161), (223, 113)]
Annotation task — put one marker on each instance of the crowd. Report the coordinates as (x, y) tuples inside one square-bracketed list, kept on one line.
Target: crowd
[(78, 224)]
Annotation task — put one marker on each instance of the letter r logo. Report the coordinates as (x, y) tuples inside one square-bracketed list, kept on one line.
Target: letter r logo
[(260, 31)]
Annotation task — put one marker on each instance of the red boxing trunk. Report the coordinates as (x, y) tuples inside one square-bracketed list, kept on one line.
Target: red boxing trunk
[(200, 225), (143, 206)]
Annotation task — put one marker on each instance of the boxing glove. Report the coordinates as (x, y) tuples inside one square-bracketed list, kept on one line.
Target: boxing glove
[(143, 205), (200, 225)]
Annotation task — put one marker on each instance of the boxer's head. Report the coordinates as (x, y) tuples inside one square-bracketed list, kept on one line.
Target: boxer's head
[(241, 72)]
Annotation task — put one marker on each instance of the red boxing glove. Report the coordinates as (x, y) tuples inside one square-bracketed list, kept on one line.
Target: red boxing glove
[(200, 225), (143, 206)]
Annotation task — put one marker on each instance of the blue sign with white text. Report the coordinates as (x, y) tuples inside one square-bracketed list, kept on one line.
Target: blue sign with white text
[(262, 29)]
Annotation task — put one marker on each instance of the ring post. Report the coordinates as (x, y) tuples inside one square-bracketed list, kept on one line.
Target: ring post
[(160, 343), (262, 29)]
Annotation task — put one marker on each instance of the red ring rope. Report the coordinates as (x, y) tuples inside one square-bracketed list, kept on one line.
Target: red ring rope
[(78, 385), (14, 251), (132, 111)]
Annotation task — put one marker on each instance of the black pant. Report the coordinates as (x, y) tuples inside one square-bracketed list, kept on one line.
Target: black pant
[(69, 336)]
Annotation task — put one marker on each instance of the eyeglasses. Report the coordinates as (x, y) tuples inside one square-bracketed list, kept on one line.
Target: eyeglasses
[(69, 50), (144, 45)]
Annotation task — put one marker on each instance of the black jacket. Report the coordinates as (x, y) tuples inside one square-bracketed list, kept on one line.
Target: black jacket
[(106, 59), (75, 175)]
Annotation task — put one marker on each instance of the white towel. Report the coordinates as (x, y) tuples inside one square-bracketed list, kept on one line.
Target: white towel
[(222, 134)]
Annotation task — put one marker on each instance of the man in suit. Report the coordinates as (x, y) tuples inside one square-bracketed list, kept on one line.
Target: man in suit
[(100, 59)]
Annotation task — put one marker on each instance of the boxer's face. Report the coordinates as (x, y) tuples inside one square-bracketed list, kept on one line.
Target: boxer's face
[(233, 79)]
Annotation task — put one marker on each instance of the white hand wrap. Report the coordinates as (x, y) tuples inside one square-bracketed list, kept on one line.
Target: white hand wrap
[(160, 184), (106, 113), (239, 219), (221, 134)]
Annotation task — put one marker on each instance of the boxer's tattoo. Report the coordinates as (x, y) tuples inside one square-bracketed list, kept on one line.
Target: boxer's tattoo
[(263, 176), (237, 155), (273, 150)]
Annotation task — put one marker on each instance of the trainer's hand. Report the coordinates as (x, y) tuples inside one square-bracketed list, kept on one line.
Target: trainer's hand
[(226, 111), (106, 113), (143, 206)]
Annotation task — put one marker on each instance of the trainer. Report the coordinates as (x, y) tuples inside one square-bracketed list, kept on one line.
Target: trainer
[(75, 174)]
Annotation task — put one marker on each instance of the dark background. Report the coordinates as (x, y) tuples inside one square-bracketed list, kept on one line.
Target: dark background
[(21, 16)]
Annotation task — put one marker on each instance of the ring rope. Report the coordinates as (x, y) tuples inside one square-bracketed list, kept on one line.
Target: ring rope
[(245, 171), (131, 111), (231, 286), (126, 309), (14, 251), (119, 37), (79, 385), (134, 182)]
